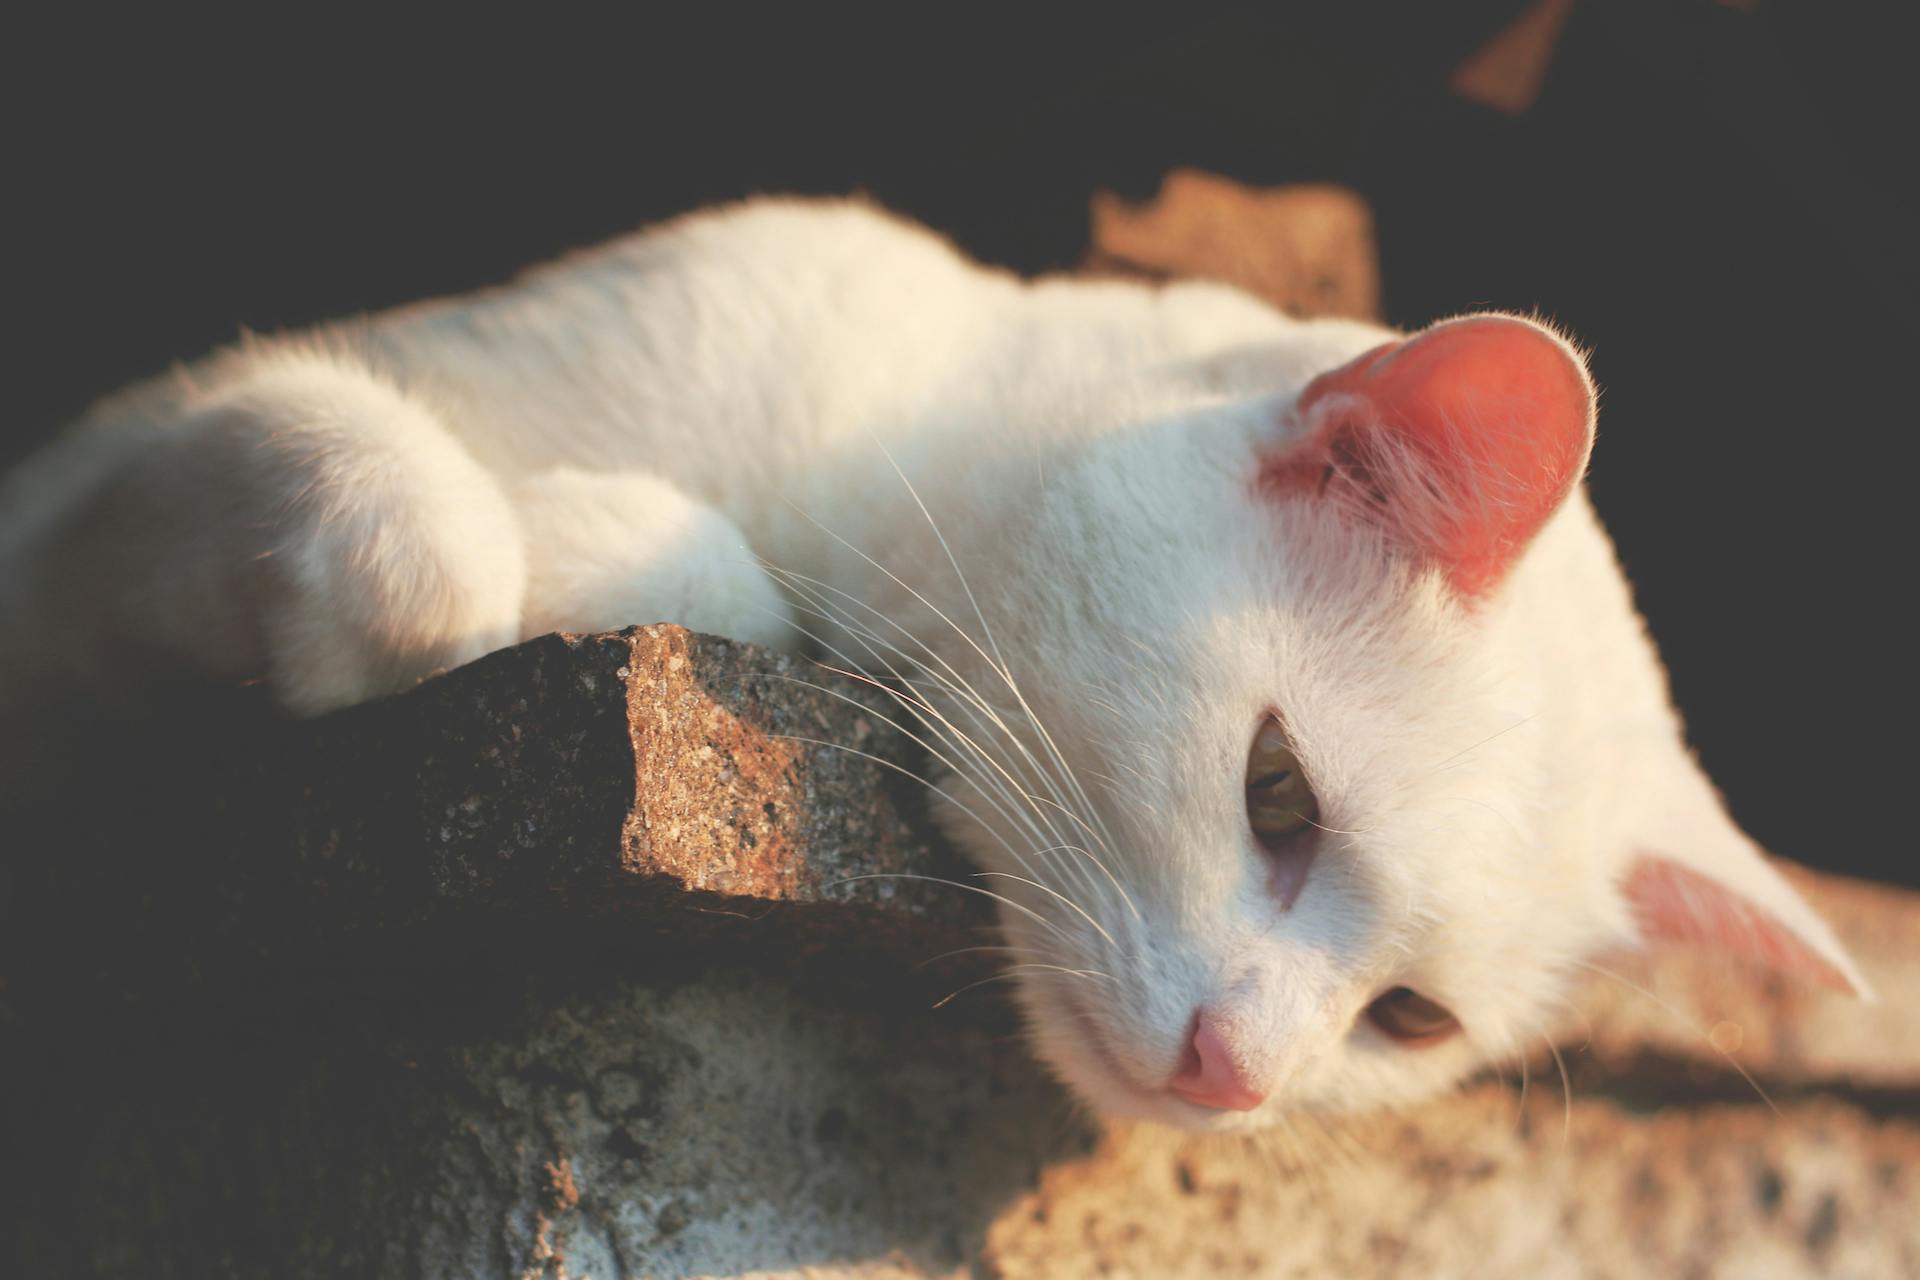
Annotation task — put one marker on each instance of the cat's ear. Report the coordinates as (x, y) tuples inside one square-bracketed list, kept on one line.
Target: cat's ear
[(1699, 880), (1459, 441)]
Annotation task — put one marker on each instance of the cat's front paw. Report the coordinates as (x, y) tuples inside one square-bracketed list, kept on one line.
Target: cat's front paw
[(344, 621), (379, 551), (611, 549)]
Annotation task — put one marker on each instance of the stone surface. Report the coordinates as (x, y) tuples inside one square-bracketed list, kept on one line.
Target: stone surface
[(559, 966), (1307, 249), (648, 769), (550, 968), (1484, 1185), (1508, 71), (1691, 1006), (649, 781)]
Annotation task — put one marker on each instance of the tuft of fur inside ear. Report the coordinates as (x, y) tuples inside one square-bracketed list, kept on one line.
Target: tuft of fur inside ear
[(1460, 442)]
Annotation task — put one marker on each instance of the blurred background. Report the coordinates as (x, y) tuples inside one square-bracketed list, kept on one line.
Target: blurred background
[(1716, 197)]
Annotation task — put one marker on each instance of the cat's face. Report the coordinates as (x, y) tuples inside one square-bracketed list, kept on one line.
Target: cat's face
[(1281, 793)]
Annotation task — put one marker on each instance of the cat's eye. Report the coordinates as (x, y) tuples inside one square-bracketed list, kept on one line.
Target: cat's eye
[(1410, 1017), (1279, 801)]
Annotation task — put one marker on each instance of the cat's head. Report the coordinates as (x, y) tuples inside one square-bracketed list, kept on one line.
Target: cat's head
[(1314, 744)]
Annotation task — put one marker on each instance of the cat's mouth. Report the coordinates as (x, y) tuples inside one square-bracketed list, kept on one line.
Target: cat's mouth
[(1147, 1102), (1094, 1036)]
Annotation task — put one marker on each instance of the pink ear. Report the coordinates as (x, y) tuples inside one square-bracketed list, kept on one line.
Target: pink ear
[(1460, 441), (1672, 903)]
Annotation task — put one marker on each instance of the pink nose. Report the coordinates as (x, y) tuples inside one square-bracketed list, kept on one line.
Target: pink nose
[(1210, 1075)]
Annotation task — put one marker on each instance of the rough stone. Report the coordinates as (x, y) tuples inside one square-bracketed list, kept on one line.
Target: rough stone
[(650, 782), (1489, 1184), (564, 965), (1691, 1007), (1307, 249), (620, 1043)]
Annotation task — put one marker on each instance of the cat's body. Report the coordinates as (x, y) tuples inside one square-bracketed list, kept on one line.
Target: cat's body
[(1103, 531)]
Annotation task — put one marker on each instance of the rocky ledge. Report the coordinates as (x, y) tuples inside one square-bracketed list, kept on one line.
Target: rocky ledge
[(593, 958)]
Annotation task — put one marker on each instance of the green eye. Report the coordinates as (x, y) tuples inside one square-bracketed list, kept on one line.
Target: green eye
[(1410, 1017), (1279, 801)]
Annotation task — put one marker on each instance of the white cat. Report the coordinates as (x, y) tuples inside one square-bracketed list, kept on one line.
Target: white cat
[(1283, 683)]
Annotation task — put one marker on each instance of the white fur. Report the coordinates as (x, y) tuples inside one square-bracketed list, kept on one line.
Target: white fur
[(606, 549), (794, 380)]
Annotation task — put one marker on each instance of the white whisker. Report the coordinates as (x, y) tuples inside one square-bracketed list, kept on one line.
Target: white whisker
[(1068, 901), (999, 670), (1566, 1090), (1001, 898), (1006, 673), (1687, 1022), (993, 797), (953, 682)]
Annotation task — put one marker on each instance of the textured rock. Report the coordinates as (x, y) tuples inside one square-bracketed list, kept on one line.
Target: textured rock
[(560, 966), (1508, 71), (650, 781), (551, 968), (1486, 1186), (652, 769), (1307, 249), (1690, 1007)]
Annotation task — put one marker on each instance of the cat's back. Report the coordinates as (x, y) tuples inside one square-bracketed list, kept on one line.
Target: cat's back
[(762, 322)]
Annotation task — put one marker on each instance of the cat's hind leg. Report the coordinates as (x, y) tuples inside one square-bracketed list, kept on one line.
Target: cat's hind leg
[(300, 521), (607, 550)]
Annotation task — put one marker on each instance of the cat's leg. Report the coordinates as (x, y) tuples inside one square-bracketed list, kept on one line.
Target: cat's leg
[(612, 550), (301, 522)]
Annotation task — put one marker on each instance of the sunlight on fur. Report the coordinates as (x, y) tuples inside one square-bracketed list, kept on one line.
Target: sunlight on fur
[(1088, 538)]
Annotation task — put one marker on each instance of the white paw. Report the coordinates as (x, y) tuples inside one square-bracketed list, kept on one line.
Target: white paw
[(389, 554), (350, 617), (606, 551)]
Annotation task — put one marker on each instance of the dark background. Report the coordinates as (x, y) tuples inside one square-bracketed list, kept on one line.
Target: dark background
[(1715, 197)]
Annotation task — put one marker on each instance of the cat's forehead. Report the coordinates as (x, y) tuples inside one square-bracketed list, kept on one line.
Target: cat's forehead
[(1375, 674), (1170, 565), (1167, 604)]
